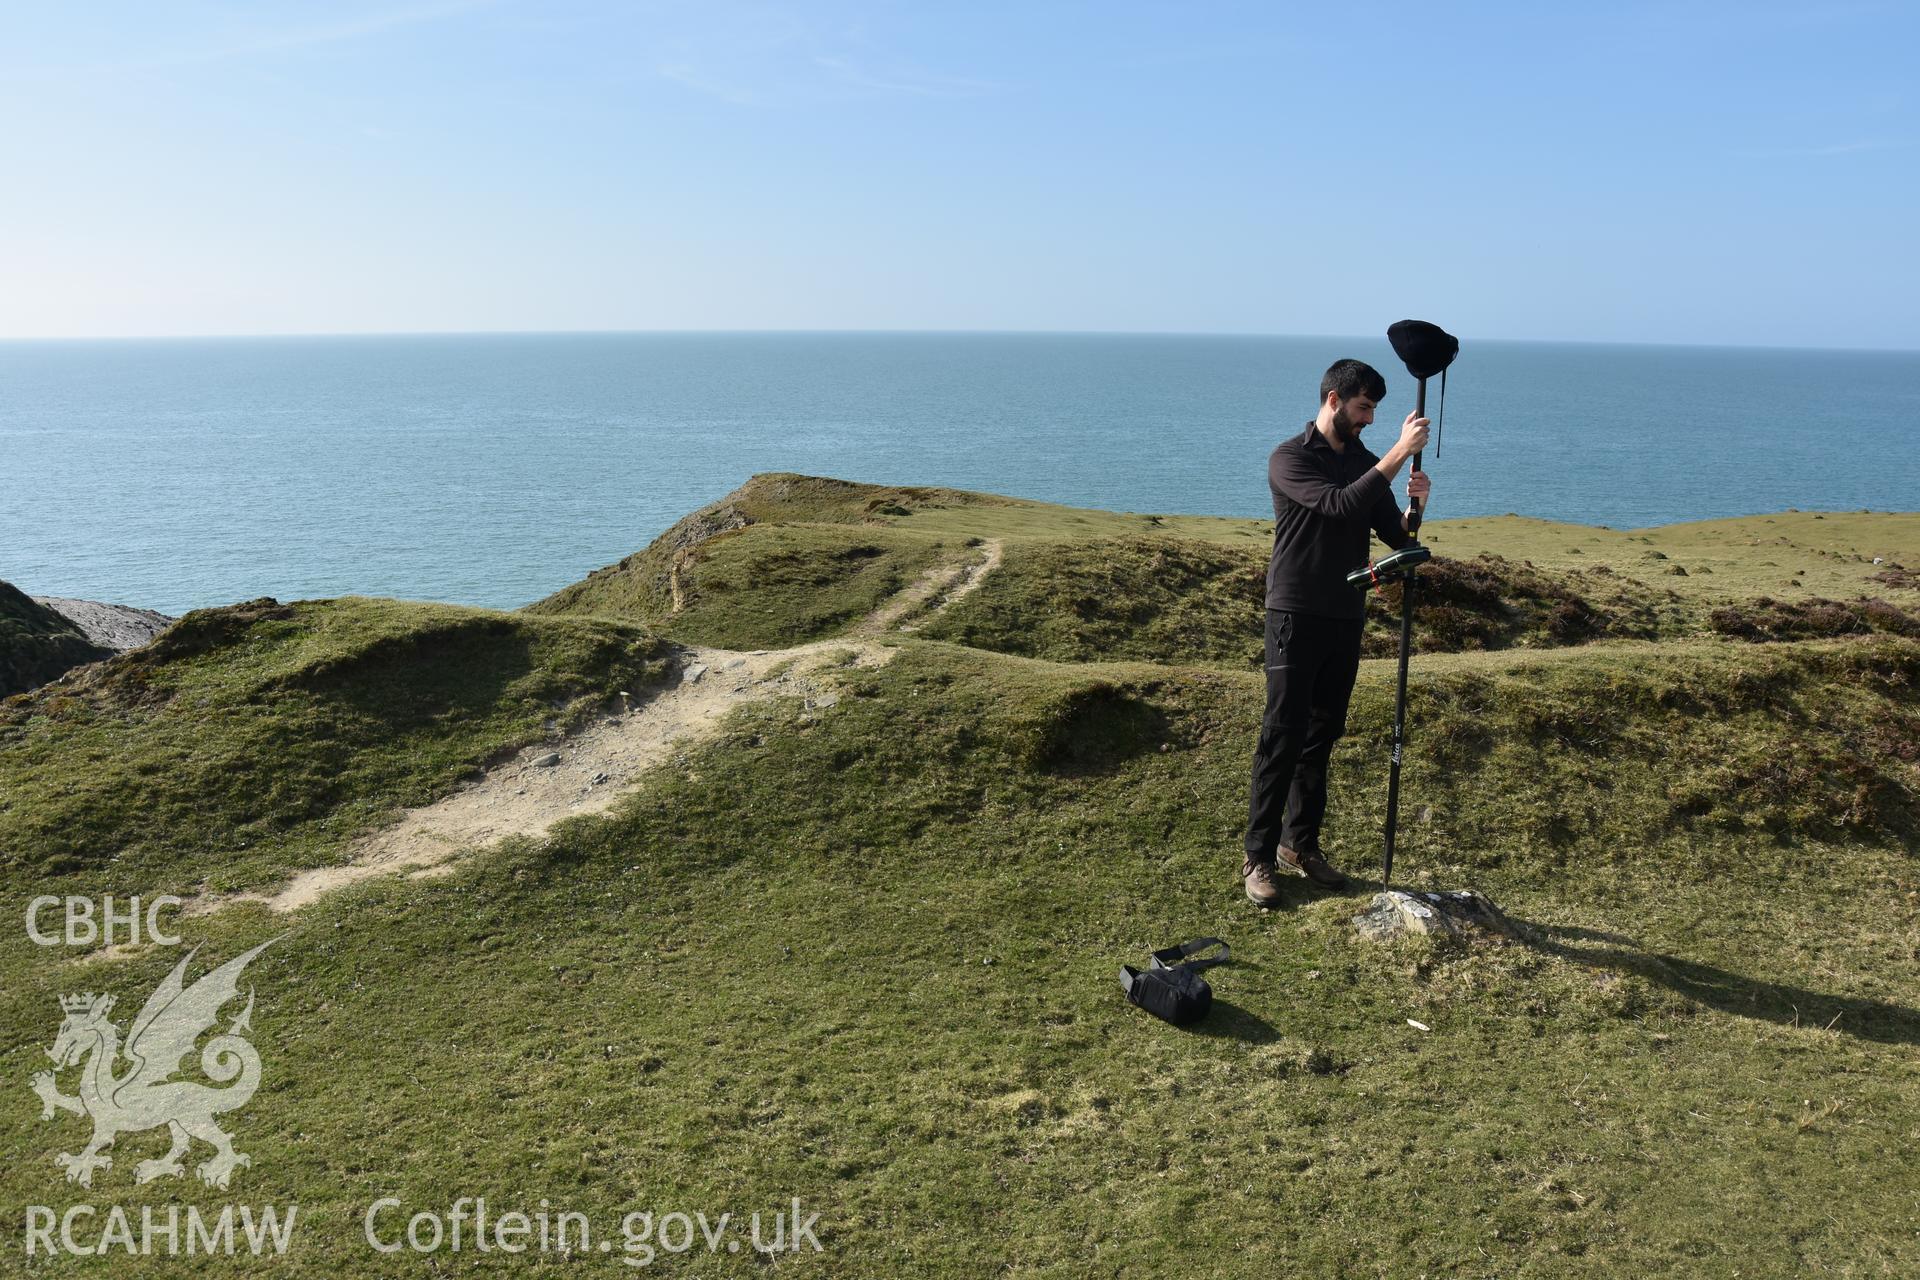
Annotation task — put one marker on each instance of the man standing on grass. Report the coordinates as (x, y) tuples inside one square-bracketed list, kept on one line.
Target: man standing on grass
[(1328, 490)]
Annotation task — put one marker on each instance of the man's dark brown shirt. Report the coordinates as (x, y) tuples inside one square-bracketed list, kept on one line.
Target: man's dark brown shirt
[(1324, 502)]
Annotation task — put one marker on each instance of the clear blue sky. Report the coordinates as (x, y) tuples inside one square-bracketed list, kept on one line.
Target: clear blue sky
[(1658, 172)]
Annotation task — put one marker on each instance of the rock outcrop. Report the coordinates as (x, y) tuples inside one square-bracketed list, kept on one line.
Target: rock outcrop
[(111, 626), (1459, 913)]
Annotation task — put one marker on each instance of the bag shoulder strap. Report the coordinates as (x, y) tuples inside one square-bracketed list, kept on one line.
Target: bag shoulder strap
[(1170, 957)]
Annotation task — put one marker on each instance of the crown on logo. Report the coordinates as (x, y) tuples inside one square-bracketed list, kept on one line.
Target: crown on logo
[(82, 1003)]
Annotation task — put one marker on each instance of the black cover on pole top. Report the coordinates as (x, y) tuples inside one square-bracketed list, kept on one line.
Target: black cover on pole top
[(1426, 349)]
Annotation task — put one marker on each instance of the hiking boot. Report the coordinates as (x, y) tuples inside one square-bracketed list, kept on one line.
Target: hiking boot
[(1263, 884), (1310, 863)]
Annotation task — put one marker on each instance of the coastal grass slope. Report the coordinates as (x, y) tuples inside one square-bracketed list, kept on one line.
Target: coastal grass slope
[(864, 955), (251, 741)]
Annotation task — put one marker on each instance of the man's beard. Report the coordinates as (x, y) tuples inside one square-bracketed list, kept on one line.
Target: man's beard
[(1345, 429)]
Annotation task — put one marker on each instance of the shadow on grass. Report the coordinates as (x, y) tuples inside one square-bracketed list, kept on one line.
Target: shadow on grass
[(1228, 1021), (1727, 992)]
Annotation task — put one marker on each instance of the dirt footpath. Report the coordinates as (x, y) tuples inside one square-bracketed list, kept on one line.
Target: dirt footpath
[(592, 769)]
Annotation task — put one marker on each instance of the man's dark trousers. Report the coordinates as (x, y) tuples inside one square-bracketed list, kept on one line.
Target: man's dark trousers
[(1311, 665)]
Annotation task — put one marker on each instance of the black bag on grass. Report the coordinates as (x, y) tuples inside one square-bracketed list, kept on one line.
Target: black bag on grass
[(1171, 987)]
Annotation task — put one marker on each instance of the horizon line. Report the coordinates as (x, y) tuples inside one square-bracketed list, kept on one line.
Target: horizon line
[(903, 332)]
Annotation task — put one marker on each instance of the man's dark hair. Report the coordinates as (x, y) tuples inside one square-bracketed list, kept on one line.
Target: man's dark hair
[(1350, 378)]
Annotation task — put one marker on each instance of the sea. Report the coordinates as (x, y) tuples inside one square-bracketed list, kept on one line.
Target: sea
[(494, 469)]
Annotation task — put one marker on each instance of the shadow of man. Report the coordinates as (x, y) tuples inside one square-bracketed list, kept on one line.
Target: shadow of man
[(1727, 992)]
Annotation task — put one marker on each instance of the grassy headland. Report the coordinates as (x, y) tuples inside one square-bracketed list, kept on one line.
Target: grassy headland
[(866, 956)]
